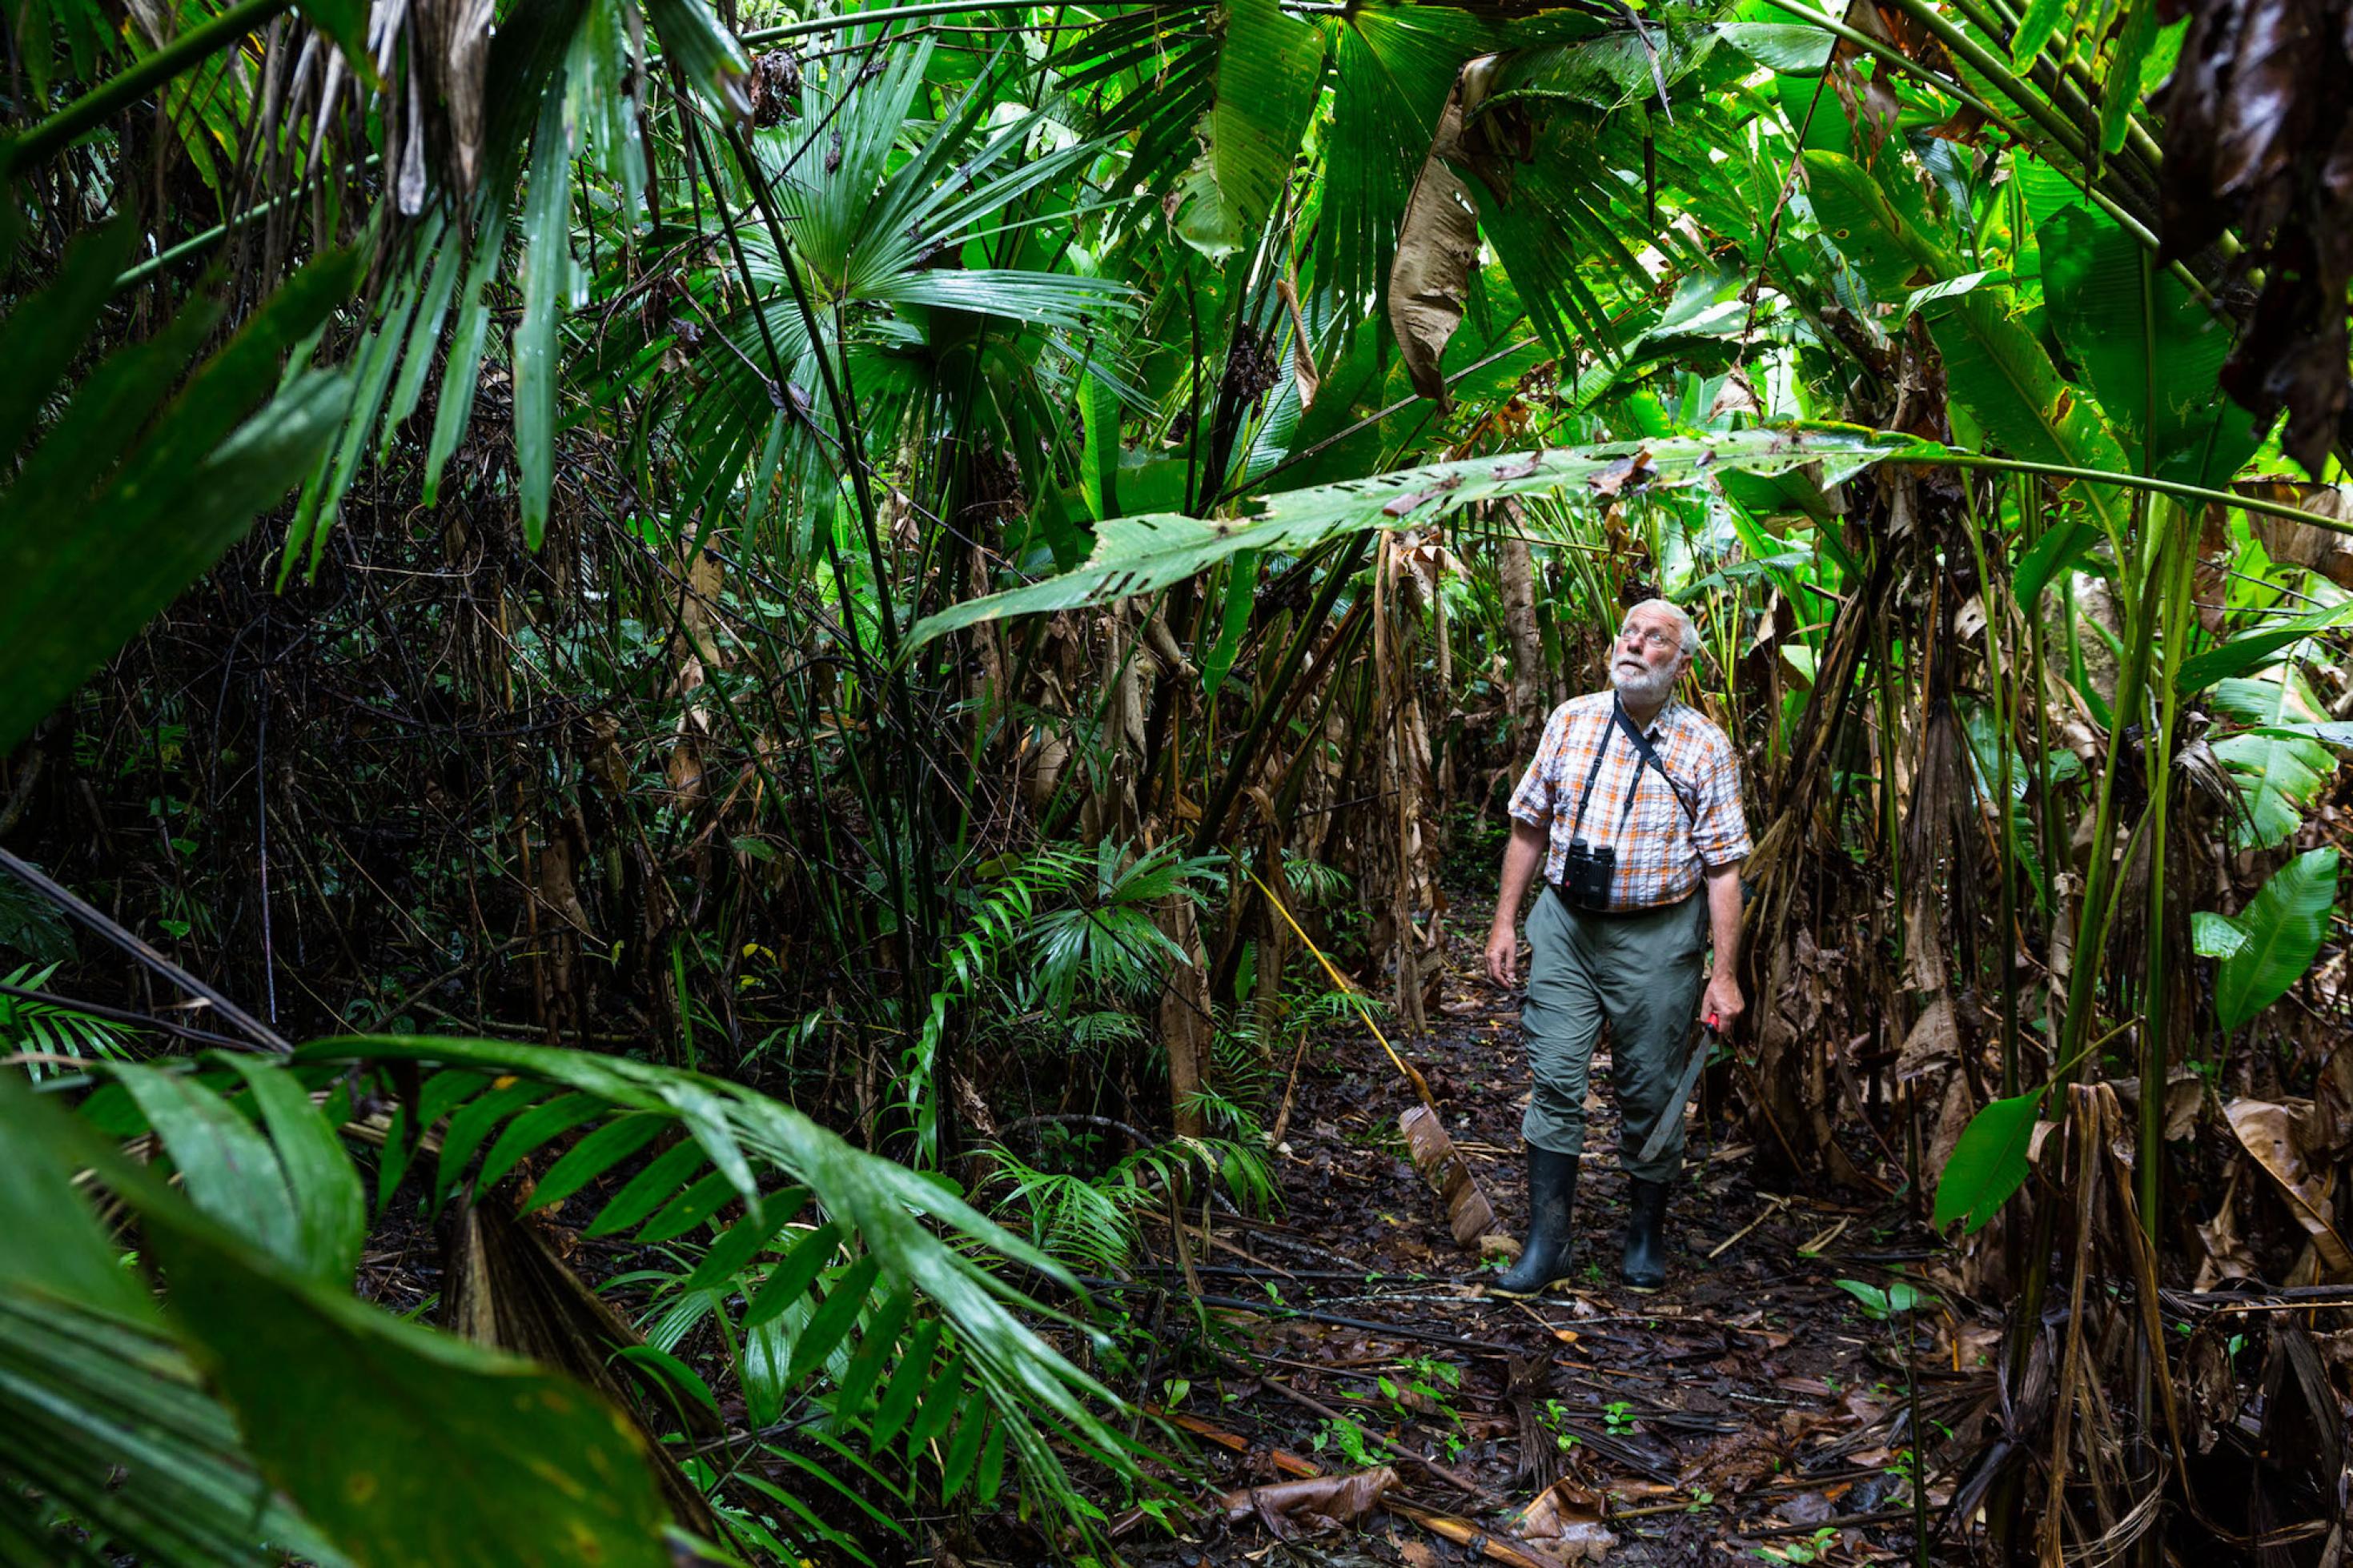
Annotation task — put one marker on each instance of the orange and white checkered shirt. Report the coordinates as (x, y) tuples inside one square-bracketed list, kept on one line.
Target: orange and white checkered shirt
[(1662, 854)]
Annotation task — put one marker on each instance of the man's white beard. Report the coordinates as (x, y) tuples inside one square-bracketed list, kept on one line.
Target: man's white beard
[(1650, 687)]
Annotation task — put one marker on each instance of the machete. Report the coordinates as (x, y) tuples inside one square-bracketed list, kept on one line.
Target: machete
[(1671, 1119)]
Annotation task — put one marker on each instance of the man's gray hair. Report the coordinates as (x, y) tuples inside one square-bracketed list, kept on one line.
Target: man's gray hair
[(1688, 627)]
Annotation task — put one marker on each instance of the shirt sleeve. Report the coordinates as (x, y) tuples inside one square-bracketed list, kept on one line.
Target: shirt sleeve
[(1532, 802), (1720, 829)]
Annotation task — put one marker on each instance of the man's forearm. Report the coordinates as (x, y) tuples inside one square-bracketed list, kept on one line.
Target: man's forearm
[(1521, 857), (1723, 915)]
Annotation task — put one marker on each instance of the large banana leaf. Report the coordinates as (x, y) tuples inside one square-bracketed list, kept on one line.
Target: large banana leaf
[(2111, 306), (1994, 367), (1144, 554), (2279, 772), (2285, 924)]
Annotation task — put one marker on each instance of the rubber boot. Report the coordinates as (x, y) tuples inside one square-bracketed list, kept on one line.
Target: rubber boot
[(1646, 1239), (1552, 1202)]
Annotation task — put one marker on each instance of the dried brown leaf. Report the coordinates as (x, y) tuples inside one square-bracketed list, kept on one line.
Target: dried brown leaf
[(2268, 1132)]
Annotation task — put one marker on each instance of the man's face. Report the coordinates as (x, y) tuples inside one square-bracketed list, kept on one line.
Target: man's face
[(1648, 653)]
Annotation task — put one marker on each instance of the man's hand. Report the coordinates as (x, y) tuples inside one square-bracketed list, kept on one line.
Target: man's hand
[(1723, 1002), (1503, 957)]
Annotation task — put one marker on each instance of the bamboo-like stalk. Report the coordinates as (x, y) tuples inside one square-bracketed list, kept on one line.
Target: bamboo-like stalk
[(2005, 820)]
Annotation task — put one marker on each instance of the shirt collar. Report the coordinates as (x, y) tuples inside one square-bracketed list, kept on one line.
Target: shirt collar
[(1659, 720)]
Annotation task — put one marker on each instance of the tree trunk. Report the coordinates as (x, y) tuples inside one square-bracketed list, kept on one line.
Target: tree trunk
[(1530, 691), (1185, 1016)]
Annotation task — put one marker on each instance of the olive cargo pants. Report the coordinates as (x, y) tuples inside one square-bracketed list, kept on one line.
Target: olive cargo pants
[(1642, 973)]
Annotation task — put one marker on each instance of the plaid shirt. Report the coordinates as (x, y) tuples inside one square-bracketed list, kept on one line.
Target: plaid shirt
[(1661, 852)]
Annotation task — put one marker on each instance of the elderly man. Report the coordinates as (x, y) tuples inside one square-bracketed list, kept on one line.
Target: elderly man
[(1632, 807)]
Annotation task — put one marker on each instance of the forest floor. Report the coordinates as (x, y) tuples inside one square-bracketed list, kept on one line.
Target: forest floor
[(1753, 1410)]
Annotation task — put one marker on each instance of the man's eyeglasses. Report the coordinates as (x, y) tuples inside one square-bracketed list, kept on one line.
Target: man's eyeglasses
[(1656, 639)]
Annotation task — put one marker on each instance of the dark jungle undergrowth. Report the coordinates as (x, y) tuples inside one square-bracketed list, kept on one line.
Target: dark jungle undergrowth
[(751, 760)]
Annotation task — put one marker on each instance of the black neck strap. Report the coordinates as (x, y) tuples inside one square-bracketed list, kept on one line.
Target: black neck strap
[(1647, 757)]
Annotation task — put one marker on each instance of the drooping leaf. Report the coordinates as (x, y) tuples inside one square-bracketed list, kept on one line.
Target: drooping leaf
[(404, 1446), (110, 1423), (1438, 242), (231, 1173), (546, 295), (330, 1206), (1141, 554), (70, 596), (1268, 68), (708, 53), (2250, 650)]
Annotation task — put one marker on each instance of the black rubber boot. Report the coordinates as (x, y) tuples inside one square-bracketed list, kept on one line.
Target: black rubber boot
[(1552, 1203), (1646, 1238)]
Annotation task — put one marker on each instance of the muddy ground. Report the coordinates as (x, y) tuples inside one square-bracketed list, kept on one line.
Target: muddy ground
[(1757, 1409)]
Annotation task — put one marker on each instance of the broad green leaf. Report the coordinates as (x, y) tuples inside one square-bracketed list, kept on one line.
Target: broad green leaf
[(1988, 1163), (2336, 733), (461, 375), (906, 1382), (2216, 935), (695, 1206), (230, 1172), (2108, 302), (472, 1125), (2036, 27), (1880, 1305), (936, 1405), (964, 1449), (1994, 367), (1999, 371), (2285, 924), (110, 1423), (1953, 288), (1142, 554), (878, 1342), (526, 1133), (57, 1253), (736, 1247), (2279, 771), (1893, 248), (330, 1206), (649, 1188), (2237, 656), (670, 1370), (831, 1323), (2057, 549), (1098, 409), (1789, 48), (2121, 56), (904, 1221), (42, 335), (1242, 593)]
